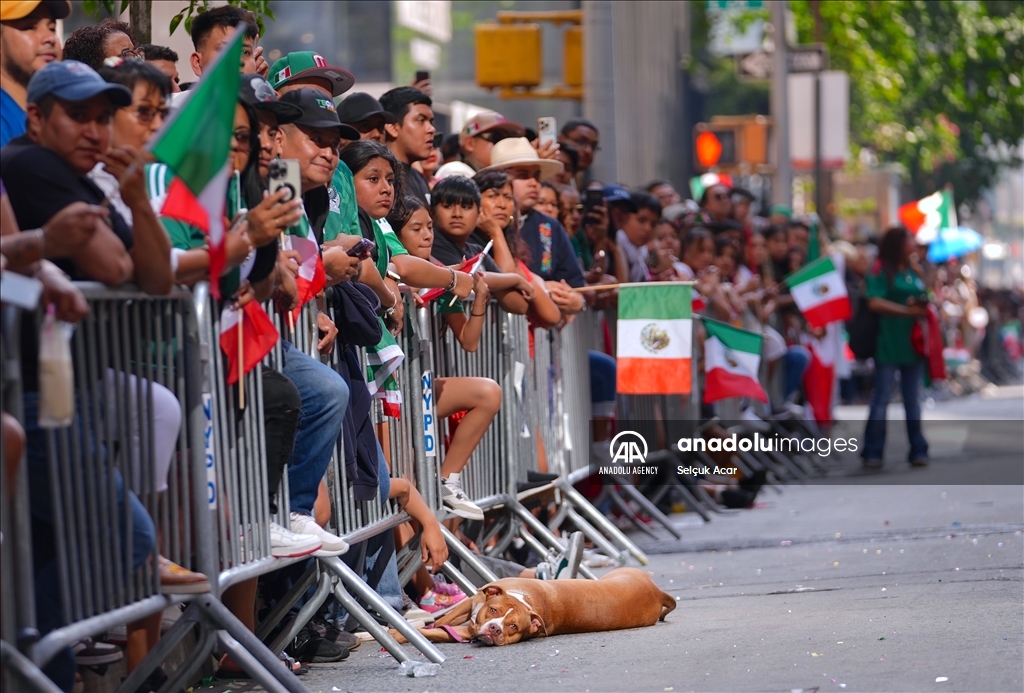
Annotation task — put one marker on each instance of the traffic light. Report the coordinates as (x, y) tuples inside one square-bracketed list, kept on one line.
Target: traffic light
[(508, 55), (731, 142)]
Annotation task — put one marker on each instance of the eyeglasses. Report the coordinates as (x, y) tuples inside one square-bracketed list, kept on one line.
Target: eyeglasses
[(145, 114), (574, 208), (592, 145), (133, 53), (492, 137)]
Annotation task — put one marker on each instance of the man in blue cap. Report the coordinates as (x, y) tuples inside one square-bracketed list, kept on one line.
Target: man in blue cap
[(70, 108)]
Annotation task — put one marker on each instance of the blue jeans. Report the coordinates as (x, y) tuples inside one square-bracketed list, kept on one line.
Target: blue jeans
[(387, 585), (885, 382), (602, 383), (49, 614), (324, 400), (794, 364)]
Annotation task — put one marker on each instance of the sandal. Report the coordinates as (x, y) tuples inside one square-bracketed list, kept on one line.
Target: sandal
[(227, 673)]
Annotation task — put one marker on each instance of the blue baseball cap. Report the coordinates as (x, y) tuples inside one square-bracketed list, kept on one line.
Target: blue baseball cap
[(618, 193), (70, 80)]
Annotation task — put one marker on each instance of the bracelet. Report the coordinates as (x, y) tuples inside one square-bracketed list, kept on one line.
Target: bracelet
[(451, 284), (41, 235), (477, 315)]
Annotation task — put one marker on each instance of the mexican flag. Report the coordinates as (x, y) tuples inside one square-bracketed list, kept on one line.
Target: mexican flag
[(820, 292), (195, 143), (926, 217), (311, 278), (381, 363), (732, 358), (655, 329), (257, 336), (819, 378)]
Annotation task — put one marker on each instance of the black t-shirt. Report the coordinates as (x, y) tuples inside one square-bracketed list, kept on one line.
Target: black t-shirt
[(39, 184), (446, 252), (415, 185), (551, 253)]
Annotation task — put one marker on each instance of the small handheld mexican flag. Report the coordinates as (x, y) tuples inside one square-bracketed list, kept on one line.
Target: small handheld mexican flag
[(820, 292), (311, 278), (245, 346), (655, 332), (381, 363), (195, 143), (731, 360), (927, 216)]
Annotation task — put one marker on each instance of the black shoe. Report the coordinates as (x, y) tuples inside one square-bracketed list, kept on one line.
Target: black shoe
[(737, 498), (310, 647), (327, 631), (755, 481), (153, 682)]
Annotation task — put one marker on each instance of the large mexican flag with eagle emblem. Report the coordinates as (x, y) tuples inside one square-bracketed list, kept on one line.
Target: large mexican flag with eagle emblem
[(655, 332), (820, 292)]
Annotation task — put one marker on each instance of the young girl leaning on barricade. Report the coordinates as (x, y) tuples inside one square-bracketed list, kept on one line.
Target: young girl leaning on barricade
[(471, 403)]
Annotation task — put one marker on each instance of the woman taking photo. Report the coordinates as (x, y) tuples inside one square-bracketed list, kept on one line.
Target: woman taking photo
[(896, 291)]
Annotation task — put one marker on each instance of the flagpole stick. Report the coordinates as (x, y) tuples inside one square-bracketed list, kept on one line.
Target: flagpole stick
[(476, 266), (241, 366), (609, 287)]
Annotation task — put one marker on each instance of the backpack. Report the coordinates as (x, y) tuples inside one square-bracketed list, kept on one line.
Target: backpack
[(864, 327)]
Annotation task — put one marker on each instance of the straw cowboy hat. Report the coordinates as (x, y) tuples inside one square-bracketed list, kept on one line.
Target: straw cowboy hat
[(517, 151)]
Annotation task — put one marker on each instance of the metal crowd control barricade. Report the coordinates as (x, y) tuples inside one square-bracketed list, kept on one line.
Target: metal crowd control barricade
[(17, 601), (351, 519), (508, 450), (128, 345)]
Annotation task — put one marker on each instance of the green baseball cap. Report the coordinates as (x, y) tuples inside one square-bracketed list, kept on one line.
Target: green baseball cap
[(309, 64)]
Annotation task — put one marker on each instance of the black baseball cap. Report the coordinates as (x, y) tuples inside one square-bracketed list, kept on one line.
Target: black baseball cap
[(318, 111), (359, 106), (257, 92)]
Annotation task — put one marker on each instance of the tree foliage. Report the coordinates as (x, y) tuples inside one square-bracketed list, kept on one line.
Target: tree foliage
[(935, 86), (260, 8)]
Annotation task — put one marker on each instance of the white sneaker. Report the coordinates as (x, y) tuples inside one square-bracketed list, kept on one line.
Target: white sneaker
[(455, 498), (332, 545), (753, 421), (285, 543)]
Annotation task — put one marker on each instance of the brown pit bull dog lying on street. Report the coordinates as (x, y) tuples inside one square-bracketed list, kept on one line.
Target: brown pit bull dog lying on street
[(513, 609)]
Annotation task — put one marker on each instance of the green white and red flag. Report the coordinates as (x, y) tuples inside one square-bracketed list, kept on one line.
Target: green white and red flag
[(195, 143), (926, 217), (655, 335), (245, 346), (732, 358), (819, 292), (311, 278)]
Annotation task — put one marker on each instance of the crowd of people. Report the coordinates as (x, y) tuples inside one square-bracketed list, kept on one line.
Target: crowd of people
[(486, 216)]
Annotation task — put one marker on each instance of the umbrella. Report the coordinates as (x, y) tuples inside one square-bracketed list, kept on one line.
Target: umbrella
[(953, 242)]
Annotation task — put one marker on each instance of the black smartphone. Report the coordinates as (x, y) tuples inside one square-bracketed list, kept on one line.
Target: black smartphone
[(592, 198), (362, 249), (422, 75)]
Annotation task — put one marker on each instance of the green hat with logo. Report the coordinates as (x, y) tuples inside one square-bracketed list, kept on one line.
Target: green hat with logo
[(309, 64), (318, 111)]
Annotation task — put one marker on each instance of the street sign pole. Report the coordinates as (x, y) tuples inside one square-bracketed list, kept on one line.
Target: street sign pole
[(782, 182), (819, 196)]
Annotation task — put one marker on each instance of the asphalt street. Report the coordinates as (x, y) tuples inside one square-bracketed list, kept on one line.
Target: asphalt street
[(914, 586)]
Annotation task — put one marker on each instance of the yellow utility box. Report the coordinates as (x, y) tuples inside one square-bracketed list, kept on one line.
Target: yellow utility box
[(509, 55), (572, 57)]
